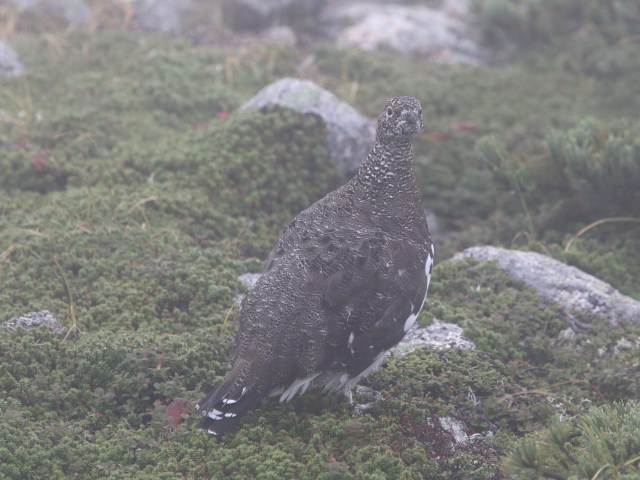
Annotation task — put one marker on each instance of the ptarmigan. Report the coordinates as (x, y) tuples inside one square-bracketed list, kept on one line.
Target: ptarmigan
[(343, 284)]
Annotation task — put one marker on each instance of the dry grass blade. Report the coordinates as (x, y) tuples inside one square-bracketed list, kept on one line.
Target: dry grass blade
[(138, 206), (72, 307), (9, 17), (8, 251), (141, 202), (226, 319), (600, 470), (595, 224), (25, 230)]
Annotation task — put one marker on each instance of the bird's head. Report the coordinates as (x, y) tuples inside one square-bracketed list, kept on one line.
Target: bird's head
[(400, 120)]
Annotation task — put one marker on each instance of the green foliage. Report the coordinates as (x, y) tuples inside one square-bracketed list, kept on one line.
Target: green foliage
[(588, 173), (94, 407), (507, 320), (164, 278), (509, 172), (596, 38), (527, 22), (610, 254), (603, 443), (496, 311), (601, 161)]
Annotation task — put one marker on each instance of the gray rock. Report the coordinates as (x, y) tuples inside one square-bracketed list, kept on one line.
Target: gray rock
[(350, 134), (455, 427), (161, 15), (572, 288), (32, 320), (437, 336), (370, 394), (279, 36), (249, 279), (75, 11), (442, 34), (9, 63), (258, 14)]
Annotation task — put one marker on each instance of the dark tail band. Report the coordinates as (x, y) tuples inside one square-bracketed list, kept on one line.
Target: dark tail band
[(223, 406)]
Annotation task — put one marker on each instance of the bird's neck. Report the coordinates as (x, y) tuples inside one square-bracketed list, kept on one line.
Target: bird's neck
[(388, 168), (386, 181)]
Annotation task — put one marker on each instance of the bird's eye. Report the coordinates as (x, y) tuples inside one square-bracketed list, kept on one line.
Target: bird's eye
[(389, 111)]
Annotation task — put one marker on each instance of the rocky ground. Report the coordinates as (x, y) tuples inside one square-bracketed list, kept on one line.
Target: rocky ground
[(150, 152)]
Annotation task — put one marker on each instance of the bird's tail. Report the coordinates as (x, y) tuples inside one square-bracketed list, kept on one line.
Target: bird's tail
[(223, 406)]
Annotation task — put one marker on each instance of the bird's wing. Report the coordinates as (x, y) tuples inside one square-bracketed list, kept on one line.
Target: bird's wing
[(333, 292)]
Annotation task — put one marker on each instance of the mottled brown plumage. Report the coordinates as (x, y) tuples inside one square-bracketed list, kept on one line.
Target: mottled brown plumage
[(343, 284)]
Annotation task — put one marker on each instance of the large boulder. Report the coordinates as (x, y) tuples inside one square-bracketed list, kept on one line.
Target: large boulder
[(570, 287), (259, 14), (9, 63), (161, 15), (441, 34), (155, 15), (74, 11), (349, 133)]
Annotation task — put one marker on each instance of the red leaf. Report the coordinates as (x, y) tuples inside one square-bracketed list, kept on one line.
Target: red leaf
[(175, 410), (436, 136), (464, 126), (223, 114), (201, 126), (39, 161)]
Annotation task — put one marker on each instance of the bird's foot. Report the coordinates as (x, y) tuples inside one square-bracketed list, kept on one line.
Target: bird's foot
[(371, 394)]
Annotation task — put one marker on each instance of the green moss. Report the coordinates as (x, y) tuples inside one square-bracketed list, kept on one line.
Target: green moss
[(500, 314), (218, 197), (102, 396)]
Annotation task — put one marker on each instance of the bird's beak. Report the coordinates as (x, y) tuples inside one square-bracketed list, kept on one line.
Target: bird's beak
[(410, 123)]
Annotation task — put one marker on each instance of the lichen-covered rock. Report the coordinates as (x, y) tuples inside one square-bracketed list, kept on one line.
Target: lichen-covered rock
[(349, 133), (9, 63), (249, 279), (443, 34), (160, 15), (33, 320), (278, 36), (74, 11), (572, 288), (257, 14), (437, 336)]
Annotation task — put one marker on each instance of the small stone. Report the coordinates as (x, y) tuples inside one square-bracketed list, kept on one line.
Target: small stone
[(437, 336), (455, 427), (281, 36), (249, 279), (369, 393), (9, 63), (624, 344), (33, 320)]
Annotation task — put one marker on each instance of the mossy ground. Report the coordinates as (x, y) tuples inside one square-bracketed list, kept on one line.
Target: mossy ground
[(129, 205)]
